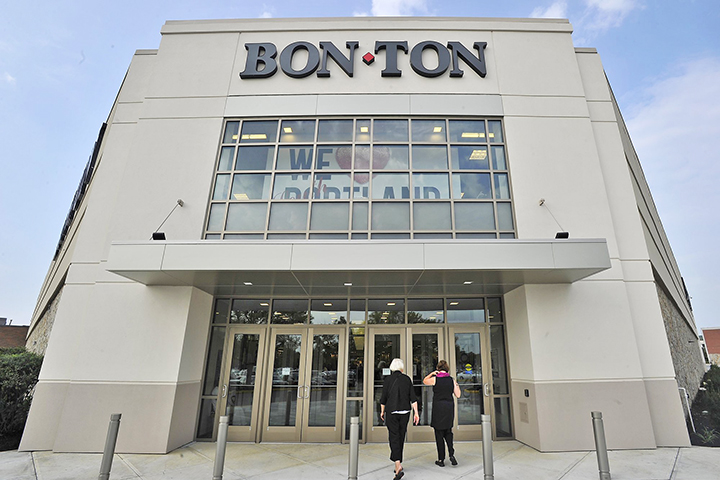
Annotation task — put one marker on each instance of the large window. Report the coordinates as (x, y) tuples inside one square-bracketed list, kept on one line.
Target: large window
[(361, 179)]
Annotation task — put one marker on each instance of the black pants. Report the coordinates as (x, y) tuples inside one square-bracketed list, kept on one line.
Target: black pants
[(397, 425), (441, 438)]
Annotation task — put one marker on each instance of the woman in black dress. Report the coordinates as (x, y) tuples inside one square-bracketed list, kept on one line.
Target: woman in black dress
[(443, 410)]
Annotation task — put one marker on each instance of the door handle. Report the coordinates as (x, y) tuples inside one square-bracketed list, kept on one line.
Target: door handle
[(224, 391), (307, 391), (299, 392), (487, 389)]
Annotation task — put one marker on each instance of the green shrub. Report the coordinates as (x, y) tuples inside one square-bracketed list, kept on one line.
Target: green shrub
[(19, 370), (708, 400)]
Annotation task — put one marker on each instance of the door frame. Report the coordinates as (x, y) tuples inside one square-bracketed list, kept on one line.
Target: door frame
[(424, 433)]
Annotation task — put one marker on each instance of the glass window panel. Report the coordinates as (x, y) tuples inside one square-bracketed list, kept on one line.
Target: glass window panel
[(214, 361), (333, 157), (291, 187), (428, 131), (505, 220), (497, 360), (426, 310), (296, 131), (251, 186), (329, 236), (285, 379), (258, 131), (431, 235), (502, 188), (362, 131), (360, 216), (231, 132), (250, 311), (222, 307), (208, 408), (474, 216), (470, 186), (255, 158), (391, 185), (507, 235), (244, 236), (213, 236), (389, 236), (295, 158), (243, 370), (335, 131), (226, 159), (331, 186), (244, 217), (387, 347), (465, 310), (467, 131), (498, 154), (217, 217), (430, 186), (386, 312), (390, 131), (289, 312), (469, 376), (431, 216), (469, 157), (495, 313), (330, 216), (359, 236), (361, 185), (495, 134), (328, 312), (429, 157), (288, 216), (354, 409), (323, 381), (362, 157), (503, 428), (390, 157), (357, 312), (222, 185), (391, 216), (286, 236), (475, 235)]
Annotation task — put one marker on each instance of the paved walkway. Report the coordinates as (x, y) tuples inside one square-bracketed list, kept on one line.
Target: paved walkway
[(513, 461)]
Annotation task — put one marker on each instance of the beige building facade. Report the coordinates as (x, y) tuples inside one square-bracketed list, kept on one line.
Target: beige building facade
[(341, 192)]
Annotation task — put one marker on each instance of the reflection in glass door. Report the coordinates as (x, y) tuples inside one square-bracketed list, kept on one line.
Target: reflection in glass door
[(240, 392), (285, 387), (471, 376), (385, 345), (426, 352)]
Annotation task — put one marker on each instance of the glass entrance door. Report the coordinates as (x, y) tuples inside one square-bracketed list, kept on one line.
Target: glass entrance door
[(240, 390), (304, 385), (385, 344)]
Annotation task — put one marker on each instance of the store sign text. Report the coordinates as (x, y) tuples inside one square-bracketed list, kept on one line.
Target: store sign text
[(262, 59)]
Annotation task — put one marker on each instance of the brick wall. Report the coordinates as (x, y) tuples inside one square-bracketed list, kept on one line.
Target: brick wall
[(13, 335)]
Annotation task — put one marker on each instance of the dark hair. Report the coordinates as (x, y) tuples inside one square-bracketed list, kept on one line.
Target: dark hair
[(443, 365)]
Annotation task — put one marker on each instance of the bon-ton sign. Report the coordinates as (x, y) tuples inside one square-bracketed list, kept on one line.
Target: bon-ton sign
[(261, 61)]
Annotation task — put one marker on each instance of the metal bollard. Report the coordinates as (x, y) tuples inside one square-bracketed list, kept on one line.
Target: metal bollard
[(486, 422), (221, 446), (110, 442), (601, 446), (354, 448)]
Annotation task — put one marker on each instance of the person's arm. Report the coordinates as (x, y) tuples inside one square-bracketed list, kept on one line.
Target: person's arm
[(456, 390), (430, 378), (382, 412), (416, 415)]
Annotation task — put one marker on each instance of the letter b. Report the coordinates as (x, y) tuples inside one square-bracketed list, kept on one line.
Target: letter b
[(260, 54)]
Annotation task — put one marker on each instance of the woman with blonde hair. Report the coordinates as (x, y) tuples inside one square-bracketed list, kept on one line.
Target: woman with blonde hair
[(443, 410), (398, 397)]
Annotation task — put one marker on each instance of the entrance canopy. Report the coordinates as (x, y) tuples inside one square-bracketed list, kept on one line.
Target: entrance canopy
[(358, 268)]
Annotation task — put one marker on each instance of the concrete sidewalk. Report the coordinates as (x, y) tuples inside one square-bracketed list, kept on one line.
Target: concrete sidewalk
[(513, 461)]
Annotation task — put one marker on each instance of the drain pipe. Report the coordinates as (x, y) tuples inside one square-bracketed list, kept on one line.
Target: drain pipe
[(687, 404)]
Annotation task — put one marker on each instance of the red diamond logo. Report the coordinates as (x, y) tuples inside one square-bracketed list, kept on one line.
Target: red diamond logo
[(368, 58)]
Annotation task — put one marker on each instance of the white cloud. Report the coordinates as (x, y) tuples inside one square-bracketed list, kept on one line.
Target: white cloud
[(360, 14), (601, 15), (382, 8), (675, 127), (9, 79), (268, 12), (556, 10)]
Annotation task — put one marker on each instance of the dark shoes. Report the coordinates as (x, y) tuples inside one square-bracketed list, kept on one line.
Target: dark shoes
[(399, 474), (440, 463), (452, 460)]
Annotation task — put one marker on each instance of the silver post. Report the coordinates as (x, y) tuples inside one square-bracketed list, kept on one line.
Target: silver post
[(221, 446), (354, 448), (487, 447), (601, 446), (110, 442)]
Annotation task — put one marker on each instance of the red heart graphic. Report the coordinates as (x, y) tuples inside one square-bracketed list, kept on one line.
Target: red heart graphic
[(381, 156)]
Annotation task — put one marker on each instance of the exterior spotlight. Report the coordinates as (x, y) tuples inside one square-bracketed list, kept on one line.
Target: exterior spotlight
[(158, 236), (562, 235)]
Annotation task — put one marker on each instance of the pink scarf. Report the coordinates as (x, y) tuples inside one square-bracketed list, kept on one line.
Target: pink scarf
[(443, 374)]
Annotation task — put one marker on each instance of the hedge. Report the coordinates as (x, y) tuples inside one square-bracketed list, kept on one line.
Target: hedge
[(19, 370)]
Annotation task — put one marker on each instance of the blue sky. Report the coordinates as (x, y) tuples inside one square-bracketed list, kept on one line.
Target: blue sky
[(62, 63)]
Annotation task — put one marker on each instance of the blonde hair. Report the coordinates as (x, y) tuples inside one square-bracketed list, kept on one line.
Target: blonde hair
[(397, 364)]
